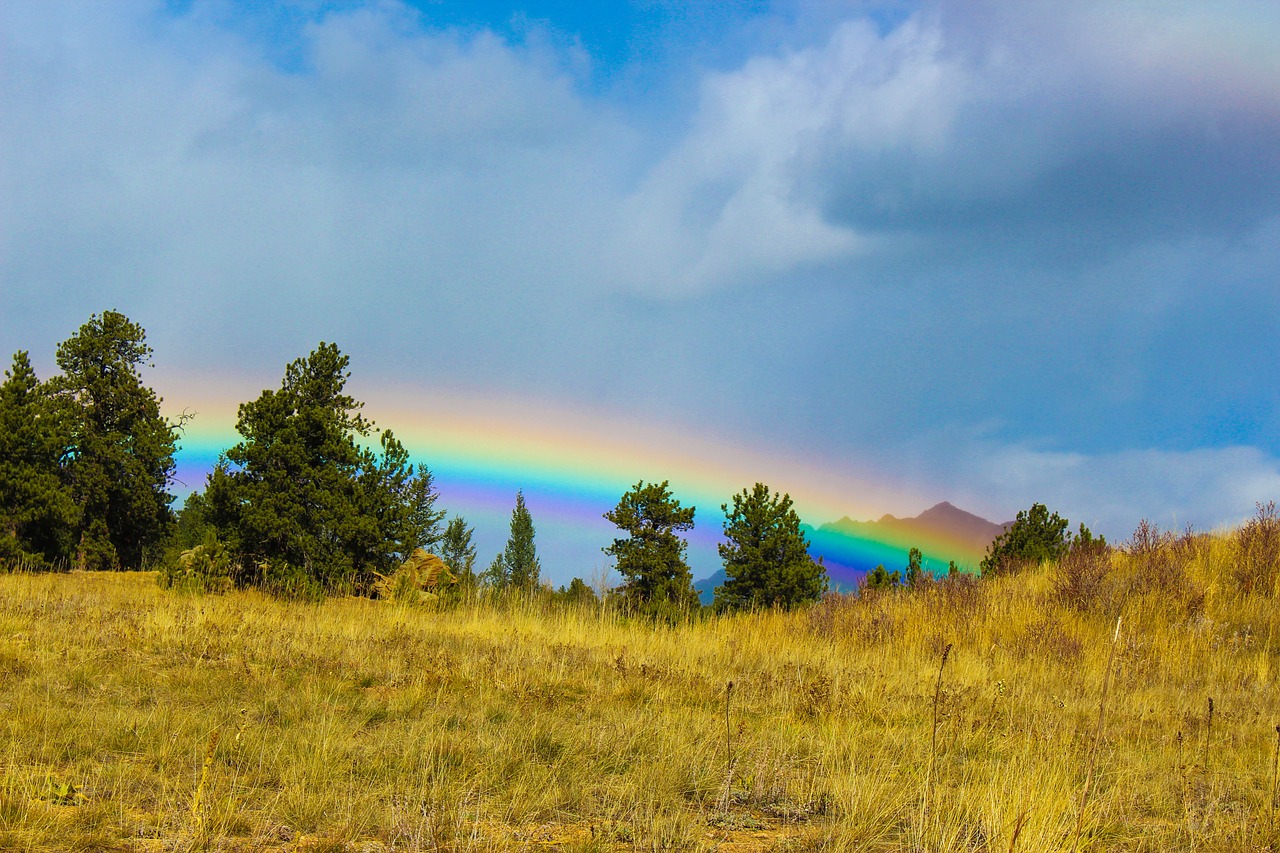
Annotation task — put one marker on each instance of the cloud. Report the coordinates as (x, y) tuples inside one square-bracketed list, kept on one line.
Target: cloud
[(1207, 488), (404, 173), (1030, 135)]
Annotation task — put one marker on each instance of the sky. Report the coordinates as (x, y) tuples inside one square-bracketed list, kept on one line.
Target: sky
[(876, 255)]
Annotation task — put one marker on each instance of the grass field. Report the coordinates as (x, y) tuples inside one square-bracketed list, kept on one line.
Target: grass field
[(139, 719)]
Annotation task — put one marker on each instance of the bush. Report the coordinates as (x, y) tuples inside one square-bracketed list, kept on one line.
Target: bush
[(203, 568), (1157, 564), (1257, 548), (1082, 578)]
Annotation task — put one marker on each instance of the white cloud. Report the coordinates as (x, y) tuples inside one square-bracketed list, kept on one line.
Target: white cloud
[(1207, 488)]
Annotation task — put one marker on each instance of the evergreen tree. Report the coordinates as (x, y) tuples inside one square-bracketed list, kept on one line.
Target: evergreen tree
[(1035, 537), (577, 593), (496, 577), (520, 557), (915, 572), (880, 578), (302, 502), (121, 448), (766, 555), (37, 512), (457, 550), (651, 557)]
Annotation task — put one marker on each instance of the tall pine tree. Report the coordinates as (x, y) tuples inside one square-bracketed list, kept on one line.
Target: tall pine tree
[(121, 448), (651, 557), (519, 560), (304, 504), (38, 515)]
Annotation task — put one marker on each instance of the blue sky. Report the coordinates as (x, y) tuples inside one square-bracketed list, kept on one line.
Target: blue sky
[(996, 252)]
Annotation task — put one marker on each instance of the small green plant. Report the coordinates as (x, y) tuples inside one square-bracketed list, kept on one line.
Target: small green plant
[(61, 793)]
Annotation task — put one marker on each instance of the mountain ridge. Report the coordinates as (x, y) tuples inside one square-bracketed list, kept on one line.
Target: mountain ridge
[(944, 519), (849, 548)]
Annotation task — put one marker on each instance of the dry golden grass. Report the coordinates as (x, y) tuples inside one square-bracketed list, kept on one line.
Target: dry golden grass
[(137, 719)]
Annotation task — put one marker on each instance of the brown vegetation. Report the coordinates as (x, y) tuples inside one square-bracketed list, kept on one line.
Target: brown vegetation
[(141, 719)]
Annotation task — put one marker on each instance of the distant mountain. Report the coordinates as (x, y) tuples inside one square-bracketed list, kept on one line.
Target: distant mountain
[(707, 586), (849, 549), (944, 524)]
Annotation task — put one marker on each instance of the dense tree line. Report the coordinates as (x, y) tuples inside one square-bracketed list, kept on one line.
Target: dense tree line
[(314, 498)]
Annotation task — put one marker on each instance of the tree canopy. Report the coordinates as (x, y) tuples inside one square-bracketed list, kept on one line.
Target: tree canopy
[(766, 555), (1035, 536), (304, 502), (120, 453), (651, 558)]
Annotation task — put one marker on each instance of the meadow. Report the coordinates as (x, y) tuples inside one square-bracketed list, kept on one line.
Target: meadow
[(1002, 714)]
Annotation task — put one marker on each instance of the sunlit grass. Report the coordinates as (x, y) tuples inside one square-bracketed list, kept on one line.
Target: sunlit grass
[(361, 725)]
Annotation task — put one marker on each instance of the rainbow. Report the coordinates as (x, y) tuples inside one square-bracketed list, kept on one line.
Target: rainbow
[(573, 463)]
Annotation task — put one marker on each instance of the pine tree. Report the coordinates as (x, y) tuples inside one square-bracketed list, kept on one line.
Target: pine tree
[(766, 556), (457, 550), (520, 557), (1034, 537), (915, 571), (121, 450), (38, 515), (880, 578), (495, 578), (651, 557), (304, 504)]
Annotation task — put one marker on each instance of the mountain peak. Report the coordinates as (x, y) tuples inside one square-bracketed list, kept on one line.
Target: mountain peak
[(970, 533)]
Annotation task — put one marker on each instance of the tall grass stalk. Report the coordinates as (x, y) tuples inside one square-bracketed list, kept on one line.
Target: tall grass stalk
[(1275, 777), (933, 739), (1208, 734), (725, 798), (1097, 738)]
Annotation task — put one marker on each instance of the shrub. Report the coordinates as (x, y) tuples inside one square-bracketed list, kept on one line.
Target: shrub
[(1157, 565), (203, 568), (1257, 547), (1082, 577)]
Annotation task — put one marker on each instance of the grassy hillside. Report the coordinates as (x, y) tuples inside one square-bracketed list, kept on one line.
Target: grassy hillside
[(137, 719)]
